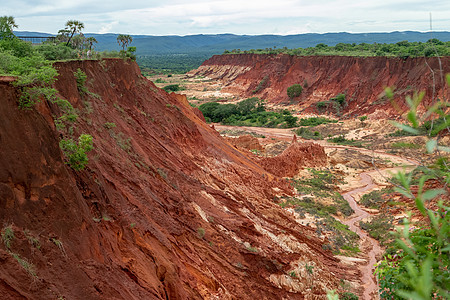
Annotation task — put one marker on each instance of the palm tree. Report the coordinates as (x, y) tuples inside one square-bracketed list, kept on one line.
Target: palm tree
[(91, 40), (73, 26), (7, 25), (124, 40)]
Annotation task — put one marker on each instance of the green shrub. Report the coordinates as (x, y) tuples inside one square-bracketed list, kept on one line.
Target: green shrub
[(363, 118), (307, 134), (339, 99), (56, 52), (294, 91), (379, 227), (341, 140), (77, 152), (109, 125), (314, 121), (172, 88), (261, 84), (80, 78), (373, 199), (8, 236), (322, 105), (419, 268)]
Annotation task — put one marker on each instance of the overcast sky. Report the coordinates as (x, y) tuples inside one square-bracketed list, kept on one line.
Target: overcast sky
[(181, 17)]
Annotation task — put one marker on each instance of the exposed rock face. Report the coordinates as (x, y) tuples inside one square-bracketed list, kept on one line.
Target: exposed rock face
[(247, 142), (164, 210), (362, 79), (296, 157)]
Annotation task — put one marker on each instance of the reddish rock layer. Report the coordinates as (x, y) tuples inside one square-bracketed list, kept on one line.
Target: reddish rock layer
[(362, 79), (247, 142), (164, 210), (296, 157)]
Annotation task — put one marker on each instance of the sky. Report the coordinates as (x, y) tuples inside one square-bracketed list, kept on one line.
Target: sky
[(253, 17)]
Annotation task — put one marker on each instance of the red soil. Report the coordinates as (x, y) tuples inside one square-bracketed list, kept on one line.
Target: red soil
[(176, 214), (362, 79), (295, 158)]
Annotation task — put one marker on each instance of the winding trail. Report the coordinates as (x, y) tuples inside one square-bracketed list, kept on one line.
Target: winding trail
[(364, 185), (369, 283)]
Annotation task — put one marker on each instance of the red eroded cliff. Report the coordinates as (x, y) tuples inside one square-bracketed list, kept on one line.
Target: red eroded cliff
[(362, 79), (165, 209)]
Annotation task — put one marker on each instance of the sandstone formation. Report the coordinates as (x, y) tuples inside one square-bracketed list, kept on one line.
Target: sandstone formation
[(165, 209), (295, 158), (362, 79), (247, 142)]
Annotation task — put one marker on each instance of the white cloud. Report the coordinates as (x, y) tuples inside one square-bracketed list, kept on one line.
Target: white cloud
[(232, 16), (108, 27)]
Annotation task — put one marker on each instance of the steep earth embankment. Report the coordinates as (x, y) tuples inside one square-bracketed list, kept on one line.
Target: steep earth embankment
[(362, 79), (165, 209)]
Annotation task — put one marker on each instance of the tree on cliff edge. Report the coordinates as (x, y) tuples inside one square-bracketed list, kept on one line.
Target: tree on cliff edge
[(73, 26), (123, 40)]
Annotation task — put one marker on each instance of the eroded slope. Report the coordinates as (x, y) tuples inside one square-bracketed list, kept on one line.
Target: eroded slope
[(323, 77), (165, 209)]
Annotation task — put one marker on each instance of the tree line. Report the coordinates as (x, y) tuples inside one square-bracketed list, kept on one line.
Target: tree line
[(403, 49)]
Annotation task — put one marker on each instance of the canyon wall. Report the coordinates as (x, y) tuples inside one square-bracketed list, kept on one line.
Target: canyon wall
[(362, 79), (165, 209)]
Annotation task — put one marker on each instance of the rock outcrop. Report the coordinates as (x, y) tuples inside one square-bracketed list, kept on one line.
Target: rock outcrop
[(165, 209), (362, 79), (295, 158)]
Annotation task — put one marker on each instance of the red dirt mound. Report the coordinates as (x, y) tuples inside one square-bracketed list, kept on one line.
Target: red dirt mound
[(362, 79), (247, 142), (296, 157), (165, 209)]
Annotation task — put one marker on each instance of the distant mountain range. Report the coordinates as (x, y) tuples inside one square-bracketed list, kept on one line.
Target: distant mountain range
[(209, 44)]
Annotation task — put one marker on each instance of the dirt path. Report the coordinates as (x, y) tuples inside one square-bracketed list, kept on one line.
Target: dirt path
[(369, 283), (354, 190)]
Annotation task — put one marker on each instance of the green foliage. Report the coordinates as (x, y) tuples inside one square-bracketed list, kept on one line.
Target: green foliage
[(419, 268), (72, 27), (172, 88), (25, 264), (80, 78), (314, 121), (171, 63), (374, 199), (7, 236), (250, 106), (35, 74), (341, 140), (363, 118), (403, 49), (294, 91), (322, 105), (261, 84), (307, 134), (7, 25), (249, 112), (77, 152), (56, 52), (109, 125), (379, 227), (339, 100), (124, 40), (321, 186), (201, 232), (17, 47), (34, 241)]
